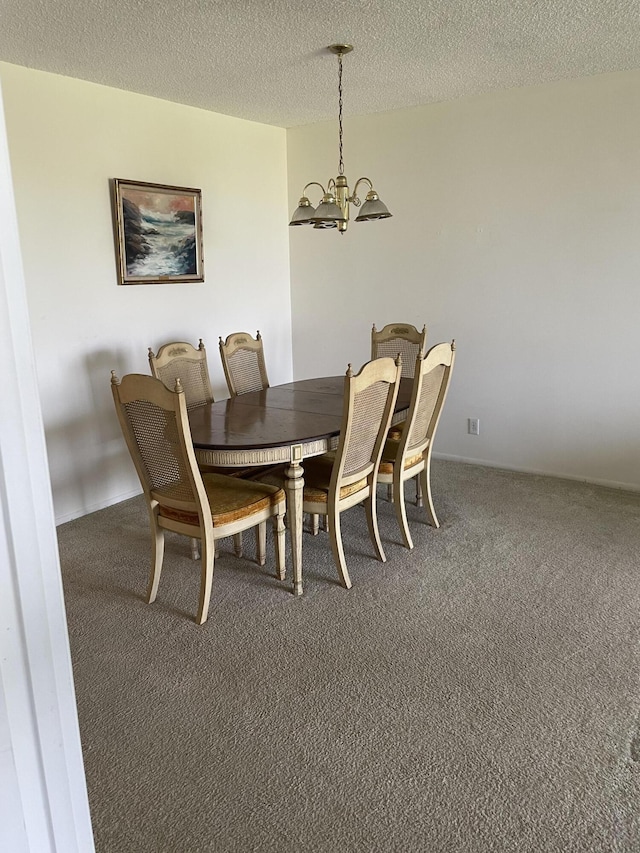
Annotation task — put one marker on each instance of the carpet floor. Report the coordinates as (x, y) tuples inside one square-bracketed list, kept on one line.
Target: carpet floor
[(479, 693)]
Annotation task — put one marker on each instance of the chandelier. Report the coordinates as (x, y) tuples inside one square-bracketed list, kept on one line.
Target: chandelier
[(333, 210)]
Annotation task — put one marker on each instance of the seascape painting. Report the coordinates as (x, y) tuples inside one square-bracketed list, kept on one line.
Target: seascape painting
[(159, 233)]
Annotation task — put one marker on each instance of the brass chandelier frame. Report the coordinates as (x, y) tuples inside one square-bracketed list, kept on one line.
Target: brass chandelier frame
[(333, 209)]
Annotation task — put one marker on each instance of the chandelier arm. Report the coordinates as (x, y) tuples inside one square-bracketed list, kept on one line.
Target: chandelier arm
[(354, 198), (313, 184)]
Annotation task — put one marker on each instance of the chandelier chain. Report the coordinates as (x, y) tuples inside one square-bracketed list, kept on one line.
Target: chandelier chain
[(341, 165)]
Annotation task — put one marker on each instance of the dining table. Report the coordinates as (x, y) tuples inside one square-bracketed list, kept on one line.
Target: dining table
[(282, 424)]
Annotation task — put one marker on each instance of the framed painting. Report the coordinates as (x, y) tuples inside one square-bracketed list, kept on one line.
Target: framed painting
[(158, 230)]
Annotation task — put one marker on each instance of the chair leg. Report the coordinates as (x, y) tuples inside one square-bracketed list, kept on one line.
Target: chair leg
[(206, 580), (425, 482), (278, 537), (419, 501), (314, 520), (195, 549), (390, 493), (237, 545), (335, 537), (401, 510), (371, 508), (261, 543), (157, 556)]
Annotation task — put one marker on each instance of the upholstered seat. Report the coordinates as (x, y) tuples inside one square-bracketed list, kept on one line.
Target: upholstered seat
[(390, 454), (317, 474), (410, 455), (395, 431), (317, 479), (230, 499), (179, 497)]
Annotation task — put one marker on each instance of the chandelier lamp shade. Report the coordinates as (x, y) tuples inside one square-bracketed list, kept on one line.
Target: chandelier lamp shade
[(333, 209)]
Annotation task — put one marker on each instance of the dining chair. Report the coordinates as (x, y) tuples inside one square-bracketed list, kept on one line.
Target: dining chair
[(181, 360), (243, 362), (410, 456), (400, 338), (179, 497), (405, 339), (341, 479)]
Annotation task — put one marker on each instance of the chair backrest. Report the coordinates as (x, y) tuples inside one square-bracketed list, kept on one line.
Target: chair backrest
[(369, 400), (400, 338), (180, 360), (430, 386), (156, 429), (243, 362)]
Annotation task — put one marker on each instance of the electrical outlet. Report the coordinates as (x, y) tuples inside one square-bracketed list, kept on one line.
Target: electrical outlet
[(474, 426)]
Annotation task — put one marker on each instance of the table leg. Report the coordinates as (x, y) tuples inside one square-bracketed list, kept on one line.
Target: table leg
[(294, 486)]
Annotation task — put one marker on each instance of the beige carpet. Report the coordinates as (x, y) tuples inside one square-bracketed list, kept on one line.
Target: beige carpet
[(480, 693)]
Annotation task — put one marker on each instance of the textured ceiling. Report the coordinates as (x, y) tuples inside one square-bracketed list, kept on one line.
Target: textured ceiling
[(265, 60)]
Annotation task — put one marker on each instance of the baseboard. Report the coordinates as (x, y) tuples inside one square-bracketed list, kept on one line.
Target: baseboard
[(610, 484), (87, 510)]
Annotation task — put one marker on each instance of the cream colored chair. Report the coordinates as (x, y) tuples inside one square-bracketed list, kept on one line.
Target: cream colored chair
[(180, 360), (405, 339), (400, 338), (334, 482), (179, 498), (410, 456), (243, 362)]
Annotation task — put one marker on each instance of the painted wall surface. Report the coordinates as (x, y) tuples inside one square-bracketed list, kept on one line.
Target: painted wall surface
[(43, 797), (67, 139), (516, 231)]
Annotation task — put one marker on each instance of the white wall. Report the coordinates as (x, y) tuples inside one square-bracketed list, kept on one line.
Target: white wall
[(67, 138), (516, 231), (43, 797)]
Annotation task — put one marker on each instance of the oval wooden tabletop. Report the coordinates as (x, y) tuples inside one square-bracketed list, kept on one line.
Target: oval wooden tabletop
[(299, 411)]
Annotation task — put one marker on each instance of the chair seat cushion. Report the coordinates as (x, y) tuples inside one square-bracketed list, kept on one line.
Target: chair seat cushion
[(395, 431), (317, 475), (230, 499), (389, 455)]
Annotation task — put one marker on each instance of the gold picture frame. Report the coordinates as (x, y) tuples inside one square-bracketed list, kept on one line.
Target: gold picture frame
[(158, 233)]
